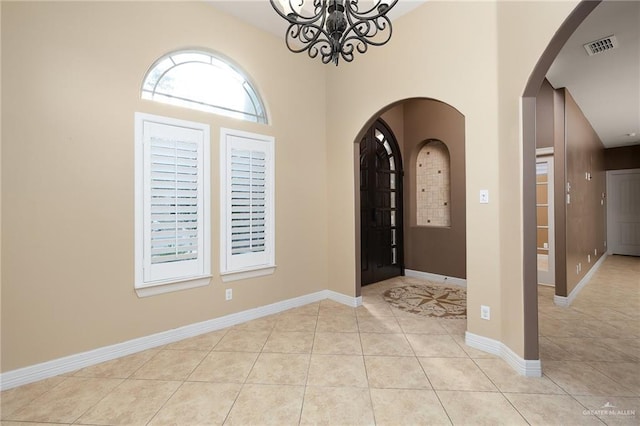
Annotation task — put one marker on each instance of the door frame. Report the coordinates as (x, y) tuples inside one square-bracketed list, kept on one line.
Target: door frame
[(547, 277)]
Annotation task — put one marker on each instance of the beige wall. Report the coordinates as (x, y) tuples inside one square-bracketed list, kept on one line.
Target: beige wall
[(71, 75), (0, 190), (485, 85)]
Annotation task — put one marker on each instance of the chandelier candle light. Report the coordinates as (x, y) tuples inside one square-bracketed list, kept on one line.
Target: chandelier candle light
[(334, 28)]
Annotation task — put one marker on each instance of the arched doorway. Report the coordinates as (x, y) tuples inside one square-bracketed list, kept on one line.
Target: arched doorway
[(431, 250), (381, 224), (530, 268)]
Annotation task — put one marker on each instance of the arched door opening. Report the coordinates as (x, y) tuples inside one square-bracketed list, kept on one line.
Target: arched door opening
[(421, 203), (530, 267)]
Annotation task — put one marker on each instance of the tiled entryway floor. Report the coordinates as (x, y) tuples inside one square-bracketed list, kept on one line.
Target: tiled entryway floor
[(326, 363)]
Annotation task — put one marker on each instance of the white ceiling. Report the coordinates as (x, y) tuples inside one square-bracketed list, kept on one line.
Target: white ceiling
[(260, 13), (606, 86)]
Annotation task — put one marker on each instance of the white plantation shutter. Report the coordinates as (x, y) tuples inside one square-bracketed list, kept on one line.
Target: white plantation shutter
[(247, 201), (174, 201), (173, 188)]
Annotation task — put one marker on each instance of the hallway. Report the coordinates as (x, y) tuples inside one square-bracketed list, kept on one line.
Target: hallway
[(326, 363), (592, 348)]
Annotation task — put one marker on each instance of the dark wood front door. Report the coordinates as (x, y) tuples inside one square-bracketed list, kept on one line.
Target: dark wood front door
[(380, 205)]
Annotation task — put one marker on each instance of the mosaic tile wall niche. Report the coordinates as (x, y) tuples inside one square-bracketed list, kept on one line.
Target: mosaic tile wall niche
[(433, 183)]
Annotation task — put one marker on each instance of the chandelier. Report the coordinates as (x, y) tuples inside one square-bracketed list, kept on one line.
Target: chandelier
[(334, 28)]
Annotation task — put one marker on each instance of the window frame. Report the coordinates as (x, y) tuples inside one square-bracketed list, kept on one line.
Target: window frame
[(253, 266), (215, 60), (168, 278)]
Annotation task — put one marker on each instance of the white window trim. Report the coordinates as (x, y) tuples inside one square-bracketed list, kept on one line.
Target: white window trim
[(227, 272), (142, 288), (257, 113)]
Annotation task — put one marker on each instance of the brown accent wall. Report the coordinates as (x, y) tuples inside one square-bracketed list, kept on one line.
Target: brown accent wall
[(437, 250), (559, 192), (585, 225), (545, 116), (580, 224), (623, 157)]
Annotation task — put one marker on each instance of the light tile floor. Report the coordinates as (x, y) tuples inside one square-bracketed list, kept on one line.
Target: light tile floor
[(329, 364)]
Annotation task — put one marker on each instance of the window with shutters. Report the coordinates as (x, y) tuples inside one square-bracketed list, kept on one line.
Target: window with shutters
[(172, 204), (247, 200)]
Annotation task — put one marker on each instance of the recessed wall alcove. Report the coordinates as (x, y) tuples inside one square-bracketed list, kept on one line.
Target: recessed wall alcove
[(433, 184)]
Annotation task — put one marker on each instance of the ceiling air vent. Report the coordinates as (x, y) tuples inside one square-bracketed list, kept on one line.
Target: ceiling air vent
[(601, 45)]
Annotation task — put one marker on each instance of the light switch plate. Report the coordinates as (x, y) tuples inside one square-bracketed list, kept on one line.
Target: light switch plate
[(485, 312), (484, 196)]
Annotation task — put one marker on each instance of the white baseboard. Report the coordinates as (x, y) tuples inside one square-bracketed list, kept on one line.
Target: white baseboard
[(67, 364), (525, 367), (435, 277), (566, 301), (354, 302)]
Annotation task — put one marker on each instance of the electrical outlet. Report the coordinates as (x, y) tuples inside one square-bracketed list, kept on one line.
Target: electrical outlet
[(595, 252), (589, 258), (228, 294), (485, 312), (577, 270)]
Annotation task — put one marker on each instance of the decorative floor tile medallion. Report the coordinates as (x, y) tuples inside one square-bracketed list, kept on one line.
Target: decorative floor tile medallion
[(429, 300)]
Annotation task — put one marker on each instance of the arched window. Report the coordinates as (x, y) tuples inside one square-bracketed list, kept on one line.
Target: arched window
[(200, 80), (433, 185)]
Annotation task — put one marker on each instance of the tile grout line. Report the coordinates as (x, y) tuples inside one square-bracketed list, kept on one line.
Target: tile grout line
[(188, 375), (98, 402), (244, 383), (501, 392), (306, 381), (366, 371)]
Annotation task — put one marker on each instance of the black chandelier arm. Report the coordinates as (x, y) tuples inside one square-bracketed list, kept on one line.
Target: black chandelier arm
[(300, 38), (319, 13), (348, 46), (365, 31), (327, 52), (305, 34), (355, 43), (352, 8), (309, 38)]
